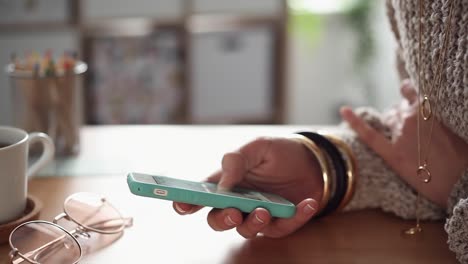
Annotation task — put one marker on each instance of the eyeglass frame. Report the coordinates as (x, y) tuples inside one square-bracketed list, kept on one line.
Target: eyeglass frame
[(80, 230)]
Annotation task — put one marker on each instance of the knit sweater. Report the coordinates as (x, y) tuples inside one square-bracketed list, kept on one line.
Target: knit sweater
[(378, 185)]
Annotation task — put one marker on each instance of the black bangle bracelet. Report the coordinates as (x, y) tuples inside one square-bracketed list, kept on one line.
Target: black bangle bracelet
[(341, 180)]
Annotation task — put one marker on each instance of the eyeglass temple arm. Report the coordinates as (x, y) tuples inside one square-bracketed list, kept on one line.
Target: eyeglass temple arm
[(20, 260), (47, 246), (128, 222), (15, 258)]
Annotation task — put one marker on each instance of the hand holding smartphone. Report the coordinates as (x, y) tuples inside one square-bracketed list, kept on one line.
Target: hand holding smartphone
[(207, 194)]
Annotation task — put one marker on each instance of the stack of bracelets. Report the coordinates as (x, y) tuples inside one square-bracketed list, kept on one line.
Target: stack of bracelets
[(338, 167)]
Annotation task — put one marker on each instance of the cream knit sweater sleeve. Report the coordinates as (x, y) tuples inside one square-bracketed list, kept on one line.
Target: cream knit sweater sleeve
[(378, 185)]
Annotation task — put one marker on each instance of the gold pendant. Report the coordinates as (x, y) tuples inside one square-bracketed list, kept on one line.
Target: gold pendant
[(423, 169), (426, 108)]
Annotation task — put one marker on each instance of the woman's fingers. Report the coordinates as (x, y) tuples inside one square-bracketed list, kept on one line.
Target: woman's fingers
[(371, 137), (260, 220), (281, 227), (224, 219), (215, 177), (408, 91), (254, 223), (236, 165), (183, 208)]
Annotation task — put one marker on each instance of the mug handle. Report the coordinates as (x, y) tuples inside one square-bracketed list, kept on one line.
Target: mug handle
[(47, 153)]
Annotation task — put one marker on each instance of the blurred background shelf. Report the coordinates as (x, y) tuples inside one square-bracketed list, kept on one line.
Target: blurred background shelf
[(211, 61), (189, 62)]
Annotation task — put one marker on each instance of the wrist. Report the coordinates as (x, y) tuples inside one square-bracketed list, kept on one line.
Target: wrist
[(337, 166), (320, 171)]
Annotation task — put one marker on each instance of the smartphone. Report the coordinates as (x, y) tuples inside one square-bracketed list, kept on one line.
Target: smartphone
[(207, 194)]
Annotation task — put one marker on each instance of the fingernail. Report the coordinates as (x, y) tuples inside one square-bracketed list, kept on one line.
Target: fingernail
[(406, 82), (221, 189), (179, 209), (228, 221), (346, 112), (259, 220), (221, 186), (309, 209)]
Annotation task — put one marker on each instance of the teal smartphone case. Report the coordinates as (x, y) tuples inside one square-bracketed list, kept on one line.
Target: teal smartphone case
[(206, 194)]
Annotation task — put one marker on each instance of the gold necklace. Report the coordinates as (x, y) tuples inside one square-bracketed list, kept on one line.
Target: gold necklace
[(427, 107)]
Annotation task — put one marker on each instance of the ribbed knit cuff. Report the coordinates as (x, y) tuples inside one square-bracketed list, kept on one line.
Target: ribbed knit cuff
[(378, 186)]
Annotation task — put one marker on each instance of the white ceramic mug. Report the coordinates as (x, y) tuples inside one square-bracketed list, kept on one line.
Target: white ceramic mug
[(14, 171)]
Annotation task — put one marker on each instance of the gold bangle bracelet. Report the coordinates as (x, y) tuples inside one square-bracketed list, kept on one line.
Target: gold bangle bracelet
[(351, 168), (324, 166)]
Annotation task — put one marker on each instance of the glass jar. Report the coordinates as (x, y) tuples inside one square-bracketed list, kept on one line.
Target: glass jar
[(50, 103)]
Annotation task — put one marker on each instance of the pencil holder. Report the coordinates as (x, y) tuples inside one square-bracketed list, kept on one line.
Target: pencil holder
[(49, 102)]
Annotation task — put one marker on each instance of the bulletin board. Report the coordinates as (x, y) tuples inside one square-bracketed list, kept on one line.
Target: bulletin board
[(134, 79)]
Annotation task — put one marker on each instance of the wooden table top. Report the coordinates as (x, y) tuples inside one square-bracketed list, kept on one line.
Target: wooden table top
[(159, 235)]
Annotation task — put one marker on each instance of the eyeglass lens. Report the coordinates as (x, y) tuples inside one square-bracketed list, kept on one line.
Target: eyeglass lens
[(94, 213), (45, 243)]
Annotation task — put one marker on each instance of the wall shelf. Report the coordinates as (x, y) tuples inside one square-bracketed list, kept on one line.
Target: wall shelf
[(239, 33)]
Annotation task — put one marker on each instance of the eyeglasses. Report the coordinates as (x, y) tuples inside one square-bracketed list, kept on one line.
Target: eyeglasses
[(43, 242)]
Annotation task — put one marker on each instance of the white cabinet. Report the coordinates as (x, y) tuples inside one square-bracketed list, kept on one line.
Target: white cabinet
[(156, 9), (243, 7), (174, 9), (230, 75)]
